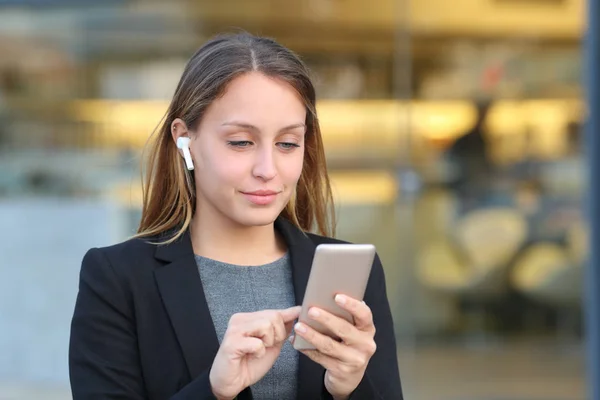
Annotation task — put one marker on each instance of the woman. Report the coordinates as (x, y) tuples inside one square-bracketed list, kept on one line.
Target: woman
[(200, 304)]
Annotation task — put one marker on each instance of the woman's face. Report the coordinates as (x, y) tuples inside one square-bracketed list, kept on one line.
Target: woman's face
[(248, 150)]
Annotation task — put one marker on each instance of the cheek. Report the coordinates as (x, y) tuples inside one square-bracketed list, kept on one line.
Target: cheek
[(217, 167), (291, 169), (225, 173)]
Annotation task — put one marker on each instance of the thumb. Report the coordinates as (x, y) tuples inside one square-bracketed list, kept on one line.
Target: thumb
[(290, 314)]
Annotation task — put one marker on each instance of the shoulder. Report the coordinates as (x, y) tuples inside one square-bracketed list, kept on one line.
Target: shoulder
[(130, 257), (130, 249)]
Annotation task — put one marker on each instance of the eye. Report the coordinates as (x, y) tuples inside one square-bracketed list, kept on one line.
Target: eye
[(288, 145), (240, 143)]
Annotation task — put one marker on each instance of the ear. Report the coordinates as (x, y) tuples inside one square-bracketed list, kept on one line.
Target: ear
[(179, 129)]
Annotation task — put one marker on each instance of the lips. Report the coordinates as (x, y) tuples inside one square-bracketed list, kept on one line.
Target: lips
[(261, 193), (261, 197)]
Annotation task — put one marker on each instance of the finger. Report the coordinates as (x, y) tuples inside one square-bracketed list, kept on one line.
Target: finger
[(363, 317), (337, 325), (322, 343), (290, 314), (249, 346), (336, 366), (355, 362), (279, 328), (262, 329), (289, 326), (327, 362)]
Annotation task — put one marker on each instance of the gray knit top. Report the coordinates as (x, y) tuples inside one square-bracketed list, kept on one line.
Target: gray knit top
[(230, 289)]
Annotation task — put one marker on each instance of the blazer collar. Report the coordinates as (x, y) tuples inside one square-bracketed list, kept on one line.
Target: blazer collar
[(183, 296)]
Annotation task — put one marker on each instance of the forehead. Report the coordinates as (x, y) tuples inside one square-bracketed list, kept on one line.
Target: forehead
[(260, 100)]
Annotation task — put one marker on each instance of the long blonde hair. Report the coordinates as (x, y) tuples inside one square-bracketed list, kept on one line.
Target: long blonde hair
[(169, 197)]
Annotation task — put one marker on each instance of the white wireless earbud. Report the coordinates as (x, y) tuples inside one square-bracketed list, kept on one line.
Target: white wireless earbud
[(183, 143)]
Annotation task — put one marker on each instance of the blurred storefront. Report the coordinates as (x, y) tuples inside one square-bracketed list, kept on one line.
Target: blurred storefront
[(492, 261)]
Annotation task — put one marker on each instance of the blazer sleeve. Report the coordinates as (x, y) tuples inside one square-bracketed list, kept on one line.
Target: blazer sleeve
[(382, 378), (104, 361)]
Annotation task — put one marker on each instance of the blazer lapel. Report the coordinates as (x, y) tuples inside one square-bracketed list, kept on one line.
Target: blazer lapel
[(182, 294), (302, 250)]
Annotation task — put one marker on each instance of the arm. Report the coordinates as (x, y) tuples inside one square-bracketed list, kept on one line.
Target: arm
[(382, 378), (103, 350)]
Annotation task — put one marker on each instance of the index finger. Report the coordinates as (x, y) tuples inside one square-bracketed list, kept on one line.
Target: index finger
[(363, 317), (290, 314)]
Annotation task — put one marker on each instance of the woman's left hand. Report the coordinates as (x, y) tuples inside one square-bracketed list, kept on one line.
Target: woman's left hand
[(345, 361)]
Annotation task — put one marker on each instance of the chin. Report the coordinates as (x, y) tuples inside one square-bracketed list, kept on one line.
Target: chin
[(257, 217)]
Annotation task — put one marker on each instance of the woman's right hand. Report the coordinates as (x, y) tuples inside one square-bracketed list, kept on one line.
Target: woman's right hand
[(249, 349)]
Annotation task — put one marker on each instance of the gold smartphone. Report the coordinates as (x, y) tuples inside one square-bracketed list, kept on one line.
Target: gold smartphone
[(336, 269)]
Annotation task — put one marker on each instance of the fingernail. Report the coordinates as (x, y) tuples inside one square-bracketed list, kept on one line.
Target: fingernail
[(300, 328), (291, 339), (313, 312), (340, 299)]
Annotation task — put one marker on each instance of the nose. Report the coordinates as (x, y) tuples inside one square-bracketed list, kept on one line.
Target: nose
[(264, 165)]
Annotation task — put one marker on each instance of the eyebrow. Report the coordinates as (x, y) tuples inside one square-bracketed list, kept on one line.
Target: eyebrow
[(255, 129)]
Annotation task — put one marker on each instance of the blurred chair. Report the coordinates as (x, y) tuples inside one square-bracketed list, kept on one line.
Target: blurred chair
[(476, 260), (553, 274), (491, 237), (545, 273), (473, 264)]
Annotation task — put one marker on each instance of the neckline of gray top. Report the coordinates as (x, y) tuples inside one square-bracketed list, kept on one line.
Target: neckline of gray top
[(205, 261)]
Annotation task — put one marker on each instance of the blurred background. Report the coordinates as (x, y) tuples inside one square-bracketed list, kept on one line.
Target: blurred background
[(452, 131)]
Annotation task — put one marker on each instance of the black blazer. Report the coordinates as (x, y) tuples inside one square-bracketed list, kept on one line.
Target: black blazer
[(142, 329)]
